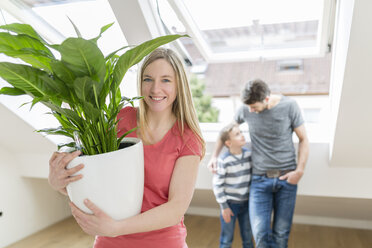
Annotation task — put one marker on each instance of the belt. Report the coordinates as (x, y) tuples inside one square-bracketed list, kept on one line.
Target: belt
[(274, 173)]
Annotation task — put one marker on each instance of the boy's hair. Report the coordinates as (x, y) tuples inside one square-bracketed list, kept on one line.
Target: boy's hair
[(255, 91), (225, 131)]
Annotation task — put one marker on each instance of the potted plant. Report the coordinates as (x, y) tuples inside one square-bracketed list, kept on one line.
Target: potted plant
[(81, 88)]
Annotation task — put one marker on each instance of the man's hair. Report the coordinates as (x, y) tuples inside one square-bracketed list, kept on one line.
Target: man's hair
[(255, 91), (225, 131)]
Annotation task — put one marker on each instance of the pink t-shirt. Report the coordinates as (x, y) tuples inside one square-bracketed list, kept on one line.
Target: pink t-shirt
[(160, 159)]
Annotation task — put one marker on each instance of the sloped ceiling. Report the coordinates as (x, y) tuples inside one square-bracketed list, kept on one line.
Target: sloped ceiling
[(19, 137), (352, 140)]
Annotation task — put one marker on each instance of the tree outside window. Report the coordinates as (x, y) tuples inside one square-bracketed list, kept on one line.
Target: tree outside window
[(203, 103)]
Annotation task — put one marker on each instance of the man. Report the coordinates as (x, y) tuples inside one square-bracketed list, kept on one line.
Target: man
[(272, 119)]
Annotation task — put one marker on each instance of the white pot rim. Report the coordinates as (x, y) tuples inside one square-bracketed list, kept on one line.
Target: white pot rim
[(136, 142)]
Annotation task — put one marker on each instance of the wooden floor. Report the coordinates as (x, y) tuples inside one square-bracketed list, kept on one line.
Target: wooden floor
[(203, 232)]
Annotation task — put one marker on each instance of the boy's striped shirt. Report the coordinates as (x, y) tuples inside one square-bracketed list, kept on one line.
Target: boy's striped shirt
[(232, 179)]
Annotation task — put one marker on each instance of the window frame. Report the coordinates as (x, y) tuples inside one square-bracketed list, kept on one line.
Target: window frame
[(324, 40)]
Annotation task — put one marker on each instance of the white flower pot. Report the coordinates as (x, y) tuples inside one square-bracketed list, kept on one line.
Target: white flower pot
[(113, 181)]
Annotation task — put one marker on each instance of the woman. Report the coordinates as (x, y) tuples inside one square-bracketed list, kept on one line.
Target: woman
[(173, 148)]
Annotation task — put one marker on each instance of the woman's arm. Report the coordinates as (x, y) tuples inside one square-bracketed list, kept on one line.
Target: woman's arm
[(168, 214)]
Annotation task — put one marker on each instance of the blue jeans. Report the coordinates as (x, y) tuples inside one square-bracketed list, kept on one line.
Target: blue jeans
[(268, 195), (241, 213)]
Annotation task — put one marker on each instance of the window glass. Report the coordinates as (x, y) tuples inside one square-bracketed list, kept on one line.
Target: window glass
[(88, 16), (240, 25)]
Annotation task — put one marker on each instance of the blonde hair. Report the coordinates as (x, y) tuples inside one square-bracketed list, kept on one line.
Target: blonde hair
[(183, 106)]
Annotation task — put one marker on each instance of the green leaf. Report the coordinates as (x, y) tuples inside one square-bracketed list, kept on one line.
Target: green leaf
[(38, 53), (87, 90), (56, 131), (125, 134), (110, 64), (21, 41), (26, 78), (91, 112), (103, 29), (114, 52), (55, 100), (54, 46), (11, 91), (117, 97), (75, 27), (56, 88), (30, 56), (84, 58), (70, 115), (126, 100), (34, 82), (23, 29), (62, 72), (23, 104), (104, 92), (64, 122), (36, 100), (71, 144), (136, 54), (26, 48)]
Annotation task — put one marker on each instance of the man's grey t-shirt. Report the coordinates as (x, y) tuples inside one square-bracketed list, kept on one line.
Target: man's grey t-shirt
[(271, 135)]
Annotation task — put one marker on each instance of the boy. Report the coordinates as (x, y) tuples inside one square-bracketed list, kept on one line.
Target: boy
[(231, 186)]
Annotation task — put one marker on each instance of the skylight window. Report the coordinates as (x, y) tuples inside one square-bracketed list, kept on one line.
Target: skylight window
[(88, 16), (50, 19), (248, 30)]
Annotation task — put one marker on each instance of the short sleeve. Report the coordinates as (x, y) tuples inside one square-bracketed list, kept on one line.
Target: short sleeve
[(127, 118), (240, 114), (295, 115), (191, 146)]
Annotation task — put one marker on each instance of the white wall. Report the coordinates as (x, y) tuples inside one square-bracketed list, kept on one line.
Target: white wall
[(28, 204)]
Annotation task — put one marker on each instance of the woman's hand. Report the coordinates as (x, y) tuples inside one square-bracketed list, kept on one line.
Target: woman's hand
[(59, 177), (98, 223)]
